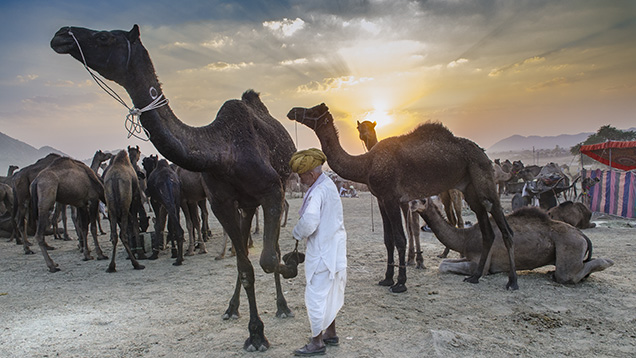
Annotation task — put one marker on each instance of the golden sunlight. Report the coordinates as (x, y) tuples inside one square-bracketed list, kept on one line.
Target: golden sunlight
[(380, 115)]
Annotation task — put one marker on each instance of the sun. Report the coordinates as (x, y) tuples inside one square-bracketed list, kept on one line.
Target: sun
[(379, 114)]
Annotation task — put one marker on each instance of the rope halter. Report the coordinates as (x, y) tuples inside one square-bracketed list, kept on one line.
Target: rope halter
[(315, 120), (132, 123)]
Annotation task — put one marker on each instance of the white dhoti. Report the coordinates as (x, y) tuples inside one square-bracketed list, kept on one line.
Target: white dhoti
[(324, 297)]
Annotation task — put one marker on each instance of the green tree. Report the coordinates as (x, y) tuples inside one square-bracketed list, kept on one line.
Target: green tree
[(604, 134)]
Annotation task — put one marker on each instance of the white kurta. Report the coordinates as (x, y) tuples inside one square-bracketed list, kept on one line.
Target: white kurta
[(321, 223)]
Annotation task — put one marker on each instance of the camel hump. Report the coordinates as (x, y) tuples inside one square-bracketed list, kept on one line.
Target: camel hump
[(433, 130), (566, 204), (121, 157), (531, 212), (253, 100)]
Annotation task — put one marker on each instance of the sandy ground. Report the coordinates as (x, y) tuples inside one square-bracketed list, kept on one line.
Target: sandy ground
[(168, 311)]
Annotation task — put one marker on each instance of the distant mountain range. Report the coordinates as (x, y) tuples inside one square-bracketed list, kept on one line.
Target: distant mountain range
[(518, 143), (15, 152)]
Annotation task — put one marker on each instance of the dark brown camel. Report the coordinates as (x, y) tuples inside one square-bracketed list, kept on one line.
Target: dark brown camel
[(425, 162), (452, 200), (243, 154), (164, 191), (10, 171), (20, 183), (538, 241), (193, 192), (69, 182), (123, 198)]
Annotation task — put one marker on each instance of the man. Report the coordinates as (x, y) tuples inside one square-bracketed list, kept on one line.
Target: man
[(321, 223)]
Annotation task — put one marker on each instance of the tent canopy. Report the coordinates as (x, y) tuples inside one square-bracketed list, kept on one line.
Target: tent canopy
[(620, 155)]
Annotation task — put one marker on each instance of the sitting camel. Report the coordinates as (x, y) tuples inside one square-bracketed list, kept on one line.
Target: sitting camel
[(538, 241), (123, 198), (69, 182), (575, 214)]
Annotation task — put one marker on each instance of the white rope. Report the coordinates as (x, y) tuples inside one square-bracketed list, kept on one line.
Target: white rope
[(132, 123)]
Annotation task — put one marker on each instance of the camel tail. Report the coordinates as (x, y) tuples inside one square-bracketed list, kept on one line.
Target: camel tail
[(589, 248)]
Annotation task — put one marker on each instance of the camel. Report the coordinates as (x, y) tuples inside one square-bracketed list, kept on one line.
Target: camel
[(123, 198), (98, 158), (193, 196), (20, 183), (538, 241), (425, 162), (452, 200), (6, 199), (164, 190), (243, 154), (575, 214), (10, 171), (68, 182), (501, 177)]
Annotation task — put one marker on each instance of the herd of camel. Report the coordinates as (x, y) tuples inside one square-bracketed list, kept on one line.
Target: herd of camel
[(241, 159)]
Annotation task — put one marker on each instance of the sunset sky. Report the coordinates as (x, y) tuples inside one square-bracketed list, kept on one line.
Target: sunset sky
[(485, 69)]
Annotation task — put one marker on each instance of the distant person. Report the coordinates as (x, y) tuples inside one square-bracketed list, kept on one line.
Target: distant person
[(321, 223)]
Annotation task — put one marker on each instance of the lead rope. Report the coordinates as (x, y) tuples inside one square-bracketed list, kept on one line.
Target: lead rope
[(132, 123)]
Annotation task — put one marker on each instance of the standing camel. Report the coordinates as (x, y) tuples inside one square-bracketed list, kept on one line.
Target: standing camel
[(123, 198), (69, 182), (452, 200), (425, 162), (21, 183), (243, 154), (164, 190), (193, 196)]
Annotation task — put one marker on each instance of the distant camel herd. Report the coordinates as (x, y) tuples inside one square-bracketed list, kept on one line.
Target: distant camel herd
[(239, 162)]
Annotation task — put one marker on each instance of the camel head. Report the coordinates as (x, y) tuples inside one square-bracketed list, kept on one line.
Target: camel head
[(107, 52), (313, 117), (134, 153), (367, 133), (422, 205), (101, 156), (150, 163)]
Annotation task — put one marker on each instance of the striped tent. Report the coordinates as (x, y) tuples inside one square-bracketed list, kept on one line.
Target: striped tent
[(615, 193)]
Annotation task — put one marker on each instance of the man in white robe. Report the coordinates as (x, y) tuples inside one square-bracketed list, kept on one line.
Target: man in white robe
[(321, 223)]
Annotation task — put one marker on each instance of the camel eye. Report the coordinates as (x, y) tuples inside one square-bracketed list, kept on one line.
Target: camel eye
[(103, 38)]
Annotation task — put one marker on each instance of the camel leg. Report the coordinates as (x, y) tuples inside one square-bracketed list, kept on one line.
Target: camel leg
[(390, 248), (410, 259), (113, 240), (458, 266), (189, 226), (286, 211), (415, 231), (565, 276), (506, 234), (396, 233), (42, 223), (82, 231), (228, 215), (93, 212), (176, 232), (202, 226), (232, 310), (124, 232)]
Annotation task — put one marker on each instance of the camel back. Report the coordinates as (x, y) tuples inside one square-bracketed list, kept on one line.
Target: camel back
[(531, 212)]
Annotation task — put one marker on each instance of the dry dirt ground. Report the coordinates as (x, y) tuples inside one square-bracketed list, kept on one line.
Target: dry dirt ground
[(168, 311)]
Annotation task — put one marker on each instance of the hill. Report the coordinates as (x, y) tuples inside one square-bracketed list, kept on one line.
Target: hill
[(520, 143), (15, 152)]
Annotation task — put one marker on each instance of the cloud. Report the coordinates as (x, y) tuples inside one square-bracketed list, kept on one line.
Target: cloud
[(516, 67), (458, 62), (329, 84), (284, 27)]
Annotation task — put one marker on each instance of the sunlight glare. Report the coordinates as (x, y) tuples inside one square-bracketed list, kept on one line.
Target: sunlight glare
[(379, 114)]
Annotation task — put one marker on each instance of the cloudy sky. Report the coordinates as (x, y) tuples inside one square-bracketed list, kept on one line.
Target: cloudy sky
[(486, 69)]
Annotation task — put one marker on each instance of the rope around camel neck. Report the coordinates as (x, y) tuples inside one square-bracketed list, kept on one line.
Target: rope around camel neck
[(131, 123)]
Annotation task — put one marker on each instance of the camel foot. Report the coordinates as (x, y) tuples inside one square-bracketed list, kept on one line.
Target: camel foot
[(28, 251), (204, 251), (54, 269), (284, 312), (420, 266), (102, 233), (512, 286), (174, 254), (472, 279), (88, 258), (256, 343), (398, 288), (102, 257), (386, 282), (231, 313), (220, 257), (141, 256), (111, 269), (49, 247), (410, 262), (177, 263), (66, 238), (154, 256), (139, 267)]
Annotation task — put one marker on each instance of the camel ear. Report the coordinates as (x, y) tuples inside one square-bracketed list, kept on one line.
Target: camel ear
[(358, 122), (133, 35), (374, 123)]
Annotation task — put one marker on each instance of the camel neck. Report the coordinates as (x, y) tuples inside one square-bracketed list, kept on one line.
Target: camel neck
[(449, 236), (349, 167)]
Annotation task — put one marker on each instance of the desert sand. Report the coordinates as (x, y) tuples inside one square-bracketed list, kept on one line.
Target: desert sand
[(168, 311)]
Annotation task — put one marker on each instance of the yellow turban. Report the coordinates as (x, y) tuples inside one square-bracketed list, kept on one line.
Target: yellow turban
[(306, 160)]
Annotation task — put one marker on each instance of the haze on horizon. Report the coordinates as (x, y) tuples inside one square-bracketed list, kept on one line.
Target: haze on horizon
[(485, 69)]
